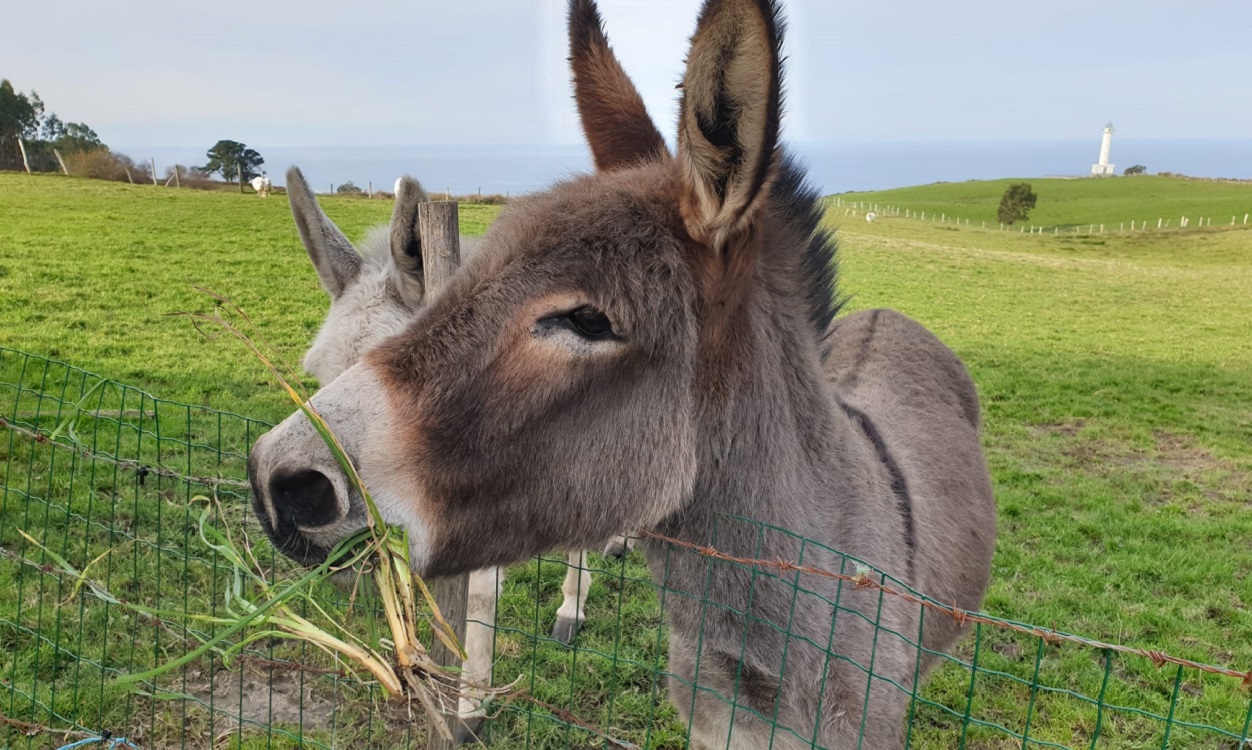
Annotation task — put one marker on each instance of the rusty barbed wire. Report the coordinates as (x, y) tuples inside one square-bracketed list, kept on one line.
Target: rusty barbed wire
[(962, 616)]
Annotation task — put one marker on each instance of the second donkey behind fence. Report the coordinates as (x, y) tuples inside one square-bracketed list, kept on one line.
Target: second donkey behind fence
[(374, 294)]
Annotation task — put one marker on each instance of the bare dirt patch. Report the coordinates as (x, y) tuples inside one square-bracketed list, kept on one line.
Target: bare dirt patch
[(255, 697), (1173, 459)]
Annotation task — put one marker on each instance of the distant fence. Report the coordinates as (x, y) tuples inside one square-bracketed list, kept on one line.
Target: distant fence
[(865, 208), (101, 475)]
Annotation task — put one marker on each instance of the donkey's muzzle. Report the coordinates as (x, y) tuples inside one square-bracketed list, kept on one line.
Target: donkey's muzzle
[(302, 496), (298, 492)]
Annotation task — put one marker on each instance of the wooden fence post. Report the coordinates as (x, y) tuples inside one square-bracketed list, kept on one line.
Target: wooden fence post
[(439, 229), (60, 161), (22, 147), (178, 182), (152, 161)]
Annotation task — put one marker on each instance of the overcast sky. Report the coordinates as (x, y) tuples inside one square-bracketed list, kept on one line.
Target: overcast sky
[(390, 72)]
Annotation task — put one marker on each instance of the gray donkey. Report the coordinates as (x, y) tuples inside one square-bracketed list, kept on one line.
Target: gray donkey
[(656, 346), (375, 291)]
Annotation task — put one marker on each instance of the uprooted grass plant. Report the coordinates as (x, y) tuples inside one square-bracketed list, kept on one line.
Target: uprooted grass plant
[(380, 550), (258, 609)]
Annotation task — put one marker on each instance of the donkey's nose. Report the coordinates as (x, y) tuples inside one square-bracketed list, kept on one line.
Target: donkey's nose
[(303, 498)]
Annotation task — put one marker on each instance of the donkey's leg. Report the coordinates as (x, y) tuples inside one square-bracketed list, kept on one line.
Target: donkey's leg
[(484, 592), (569, 618)]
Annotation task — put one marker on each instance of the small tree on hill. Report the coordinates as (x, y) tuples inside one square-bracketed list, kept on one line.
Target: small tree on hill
[(230, 158), (1137, 169), (1017, 203), (349, 188)]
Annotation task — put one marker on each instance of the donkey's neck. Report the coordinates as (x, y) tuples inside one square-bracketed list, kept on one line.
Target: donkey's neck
[(773, 439)]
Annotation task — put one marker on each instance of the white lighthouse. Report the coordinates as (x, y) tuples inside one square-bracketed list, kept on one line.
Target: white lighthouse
[(1104, 169)]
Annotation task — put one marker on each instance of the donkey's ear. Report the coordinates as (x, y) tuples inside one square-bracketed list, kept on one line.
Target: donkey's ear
[(613, 115), (728, 121), (335, 259), (406, 241)]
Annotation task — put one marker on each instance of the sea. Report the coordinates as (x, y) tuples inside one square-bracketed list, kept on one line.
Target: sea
[(832, 167)]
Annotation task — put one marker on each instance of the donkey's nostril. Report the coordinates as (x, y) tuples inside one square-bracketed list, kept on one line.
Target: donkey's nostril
[(304, 498)]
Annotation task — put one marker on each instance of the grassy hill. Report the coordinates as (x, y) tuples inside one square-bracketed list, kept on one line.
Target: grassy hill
[(90, 272), (1070, 202)]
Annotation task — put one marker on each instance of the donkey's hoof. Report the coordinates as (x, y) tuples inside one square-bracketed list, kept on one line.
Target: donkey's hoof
[(468, 730), (565, 630)]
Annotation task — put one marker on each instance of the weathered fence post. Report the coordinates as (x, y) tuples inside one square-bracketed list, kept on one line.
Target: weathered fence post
[(178, 182), (60, 161), (439, 229), (152, 161), (22, 147)]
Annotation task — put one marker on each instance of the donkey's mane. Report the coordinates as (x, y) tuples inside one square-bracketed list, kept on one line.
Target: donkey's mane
[(375, 248), (801, 210)]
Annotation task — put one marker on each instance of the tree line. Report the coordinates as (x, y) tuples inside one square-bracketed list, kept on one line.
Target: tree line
[(25, 124), (31, 137)]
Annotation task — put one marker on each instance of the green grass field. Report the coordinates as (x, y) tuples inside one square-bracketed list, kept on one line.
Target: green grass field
[(1115, 374), (1074, 202)]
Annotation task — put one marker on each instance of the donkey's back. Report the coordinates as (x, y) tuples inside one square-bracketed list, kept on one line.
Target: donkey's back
[(916, 401)]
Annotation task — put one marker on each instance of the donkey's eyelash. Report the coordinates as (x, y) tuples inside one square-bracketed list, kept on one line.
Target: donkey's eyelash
[(585, 321)]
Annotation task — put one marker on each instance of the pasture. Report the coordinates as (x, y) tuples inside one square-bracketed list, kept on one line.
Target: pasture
[(1074, 202), (1115, 373)]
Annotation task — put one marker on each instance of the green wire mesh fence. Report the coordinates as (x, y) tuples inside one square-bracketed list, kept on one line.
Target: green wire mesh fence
[(102, 475)]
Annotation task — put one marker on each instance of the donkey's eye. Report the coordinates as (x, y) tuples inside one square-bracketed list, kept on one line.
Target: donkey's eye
[(589, 323)]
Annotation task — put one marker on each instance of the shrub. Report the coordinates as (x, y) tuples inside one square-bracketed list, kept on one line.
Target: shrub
[(103, 164), (1016, 204)]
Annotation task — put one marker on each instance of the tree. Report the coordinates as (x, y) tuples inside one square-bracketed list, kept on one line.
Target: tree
[(228, 158), (1017, 203), (1137, 169), (69, 137), (349, 187), (20, 116)]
